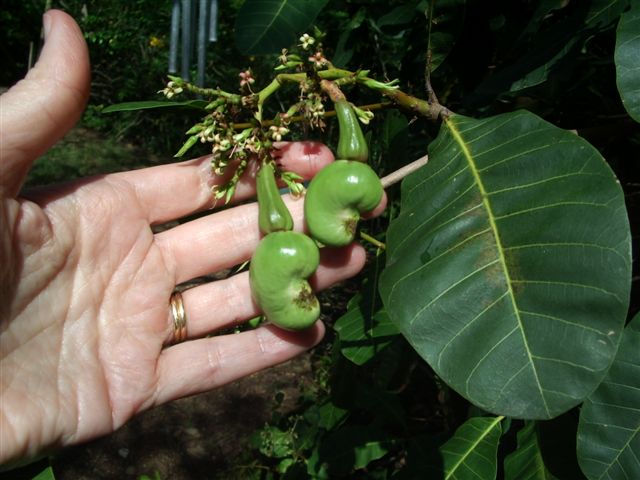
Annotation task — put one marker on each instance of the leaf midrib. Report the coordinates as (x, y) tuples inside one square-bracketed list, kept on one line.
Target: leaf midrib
[(457, 136)]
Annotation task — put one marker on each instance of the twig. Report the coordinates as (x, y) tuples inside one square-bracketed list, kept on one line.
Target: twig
[(328, 114), (395, 177), (373, 241)]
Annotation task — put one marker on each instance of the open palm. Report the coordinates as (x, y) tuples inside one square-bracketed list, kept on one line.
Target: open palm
[(86, 331)]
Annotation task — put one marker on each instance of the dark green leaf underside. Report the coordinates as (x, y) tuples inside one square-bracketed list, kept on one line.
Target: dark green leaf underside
[(627, 58), (526, 462), (609, 428), (267, 26), (509, 266)]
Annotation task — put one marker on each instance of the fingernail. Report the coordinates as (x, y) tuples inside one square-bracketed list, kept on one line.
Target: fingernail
[(46, 24)]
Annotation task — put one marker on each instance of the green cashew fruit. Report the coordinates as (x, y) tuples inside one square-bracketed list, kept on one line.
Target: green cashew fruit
[(351, 142), (336, 197), (278, 275), (273, 214)]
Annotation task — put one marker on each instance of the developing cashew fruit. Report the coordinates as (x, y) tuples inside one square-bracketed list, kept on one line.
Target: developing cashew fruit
[(273, 214), (351, 142), (278, 275), (336, 197)]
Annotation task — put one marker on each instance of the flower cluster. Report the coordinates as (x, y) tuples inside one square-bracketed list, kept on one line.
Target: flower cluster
[(314, 110)]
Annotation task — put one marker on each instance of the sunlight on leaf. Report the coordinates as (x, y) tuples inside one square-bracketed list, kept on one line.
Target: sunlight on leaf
[(509, 266)]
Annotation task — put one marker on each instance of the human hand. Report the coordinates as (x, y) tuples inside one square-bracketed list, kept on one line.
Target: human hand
[(86, 330)]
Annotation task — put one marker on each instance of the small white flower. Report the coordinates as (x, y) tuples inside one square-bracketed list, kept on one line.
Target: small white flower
[(307, 40)]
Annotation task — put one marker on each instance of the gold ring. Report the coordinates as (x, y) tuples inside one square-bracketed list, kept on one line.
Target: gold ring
[(179, 317)]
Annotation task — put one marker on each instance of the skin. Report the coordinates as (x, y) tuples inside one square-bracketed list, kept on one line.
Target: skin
[(279, 270), (85, 328), (336, 198)]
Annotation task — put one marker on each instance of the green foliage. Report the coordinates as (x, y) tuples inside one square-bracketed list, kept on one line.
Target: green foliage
[(527, 460), (46, 474), (609, 428), (265, 26), (627, 57), (507, 275), (473, 449), (83, 153), (154, 104), (498, 269)]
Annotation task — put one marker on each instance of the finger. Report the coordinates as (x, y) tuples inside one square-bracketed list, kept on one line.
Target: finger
[(172, 191), (200, 365), (223, 303), (221, 240), (378, 210), (216, 242), (41, 108), (304, 158)]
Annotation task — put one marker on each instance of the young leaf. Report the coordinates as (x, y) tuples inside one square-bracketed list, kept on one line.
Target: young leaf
[(526, 462), (627, 58), (267, 26), (472, 452), (609, 428), (509, 266), (191, 141)]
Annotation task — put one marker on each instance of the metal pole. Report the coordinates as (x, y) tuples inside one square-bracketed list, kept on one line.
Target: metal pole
[(213, 21), (202, 41), (175, 37), (186, 38)]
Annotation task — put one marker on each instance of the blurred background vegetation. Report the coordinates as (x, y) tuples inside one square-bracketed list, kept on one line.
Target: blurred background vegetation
[(129, 46), (128, 42)]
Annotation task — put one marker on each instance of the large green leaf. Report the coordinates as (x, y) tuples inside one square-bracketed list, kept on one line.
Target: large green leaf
[(509, 266), (548, 46), (602, 13), (526, 463), (267, 26), (627, 58), (472, 452), (609, 429)]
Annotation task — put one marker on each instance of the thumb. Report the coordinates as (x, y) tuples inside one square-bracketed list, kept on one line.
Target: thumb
[(41, 108)]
